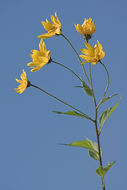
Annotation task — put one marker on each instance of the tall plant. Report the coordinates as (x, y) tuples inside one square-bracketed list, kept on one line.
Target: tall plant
[(90, 55)]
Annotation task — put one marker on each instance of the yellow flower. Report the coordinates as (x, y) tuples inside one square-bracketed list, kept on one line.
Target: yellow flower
[(92, 55), (40, 58), (53, 28), (24, 83), (87, 28)]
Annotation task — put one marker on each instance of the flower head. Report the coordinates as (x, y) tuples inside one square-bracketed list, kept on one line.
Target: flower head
[(87, 28), (40, 57), (53, 28), (92, 55), (24, 83)]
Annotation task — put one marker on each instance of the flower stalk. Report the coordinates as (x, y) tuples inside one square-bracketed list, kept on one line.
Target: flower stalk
[(60, 64), (106, 86), (77, 56), (61, 101)]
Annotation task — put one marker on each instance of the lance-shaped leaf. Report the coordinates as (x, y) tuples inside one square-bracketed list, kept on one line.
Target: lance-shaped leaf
[(104, 116), (106, 98), (88, 144), (101, 171), (78, 86), (87, 89), (74, 113)]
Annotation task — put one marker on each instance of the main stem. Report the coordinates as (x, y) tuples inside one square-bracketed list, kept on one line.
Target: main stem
[(98, 143), (96, 127)]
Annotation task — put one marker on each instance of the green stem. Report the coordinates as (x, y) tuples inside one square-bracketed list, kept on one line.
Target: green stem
[(68, 69), (91, 85), (96, 127), (61, 101), (107, 83), (107, 77), (77, 55)]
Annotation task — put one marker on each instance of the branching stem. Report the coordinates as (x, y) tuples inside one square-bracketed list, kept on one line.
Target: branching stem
[(62, 101)]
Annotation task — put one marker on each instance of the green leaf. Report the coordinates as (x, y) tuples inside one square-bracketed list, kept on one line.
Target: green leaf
[(78, 86), (94, 151), (86, 88), (101, 171), (83, 144), (107, 98), (88, 144), (93, 154), (74, 113), (104, 116)]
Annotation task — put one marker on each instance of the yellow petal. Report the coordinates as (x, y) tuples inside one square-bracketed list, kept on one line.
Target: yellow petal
[(33, 63), (19, 81), (38, 67), (88, 45), (43, 60), (94, 63), (85, 51), (58, 21), (102, 55), (83, 57), (53, 19), (45, 36), (79, 28), (99, 45), (89, 20), (41, 45), (47, 25), (84, 62)]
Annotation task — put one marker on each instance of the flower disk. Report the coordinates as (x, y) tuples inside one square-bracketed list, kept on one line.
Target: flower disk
[(53, 28), (40, 58), (87, 28), (23, 83), (92, 55)]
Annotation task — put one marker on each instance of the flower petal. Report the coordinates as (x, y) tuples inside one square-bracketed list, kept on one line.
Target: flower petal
[(45, 36), (47, 25)]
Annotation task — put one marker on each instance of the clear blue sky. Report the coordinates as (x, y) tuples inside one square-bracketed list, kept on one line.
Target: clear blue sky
[(30, 155)]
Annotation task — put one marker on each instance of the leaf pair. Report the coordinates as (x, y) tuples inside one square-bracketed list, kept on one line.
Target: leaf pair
[(88, 144), (101, 171), (93, 152)]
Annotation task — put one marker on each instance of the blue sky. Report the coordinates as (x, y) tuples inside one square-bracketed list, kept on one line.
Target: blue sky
[(30, 133)]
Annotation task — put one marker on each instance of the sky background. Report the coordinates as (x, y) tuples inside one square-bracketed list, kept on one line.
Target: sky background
[(31, 156)]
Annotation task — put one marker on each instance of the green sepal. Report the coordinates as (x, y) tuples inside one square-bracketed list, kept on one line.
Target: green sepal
[(104, 116), (74, 113), (88, 144), (101, 171)]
